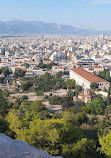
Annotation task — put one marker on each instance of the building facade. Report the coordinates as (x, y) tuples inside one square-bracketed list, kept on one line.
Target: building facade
[(85, 79)]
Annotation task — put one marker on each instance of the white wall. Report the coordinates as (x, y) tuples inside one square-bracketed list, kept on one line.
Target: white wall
[(79, 80), (86, 84)]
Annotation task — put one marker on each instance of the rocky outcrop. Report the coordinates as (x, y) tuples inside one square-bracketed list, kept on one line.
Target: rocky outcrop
[(10, 148)]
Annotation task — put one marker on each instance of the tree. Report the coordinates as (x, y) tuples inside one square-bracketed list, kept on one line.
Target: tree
[(19, 73), (94, 86), (105, 74), (80, 118), (70, 95), (108, 98), (16, 90), (2, 79), (57, 85), (48, 66), (26, 65), (15, 124), (37, 106), (48, 82), (82, 149), (97, 106), (47, 134), (3, 125), (66, 103), (78, 89), (78, 105), (75, 119), (26, 85), (6, 93), (55, 100), (5, 71), (24, 97), (70, 83), (59, 74), (3, 104), (105, 142)]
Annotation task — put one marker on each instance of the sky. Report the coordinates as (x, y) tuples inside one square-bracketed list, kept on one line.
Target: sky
[(86, 14)]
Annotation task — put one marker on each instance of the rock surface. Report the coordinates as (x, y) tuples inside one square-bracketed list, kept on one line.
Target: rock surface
[(10, 148)]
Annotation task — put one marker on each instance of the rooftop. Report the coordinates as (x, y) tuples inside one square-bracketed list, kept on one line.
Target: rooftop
[(88, 76), (96, 66)]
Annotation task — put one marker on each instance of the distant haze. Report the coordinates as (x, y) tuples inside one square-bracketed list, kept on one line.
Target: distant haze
[(36, 27), (87, 14)]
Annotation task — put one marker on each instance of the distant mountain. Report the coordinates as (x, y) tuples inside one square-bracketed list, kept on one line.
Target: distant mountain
[(36, 27)]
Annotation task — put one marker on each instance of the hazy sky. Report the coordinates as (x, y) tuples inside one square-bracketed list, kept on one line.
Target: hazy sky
[(95, 14)]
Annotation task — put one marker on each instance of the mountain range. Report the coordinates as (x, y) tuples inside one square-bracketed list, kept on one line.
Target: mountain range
[(36, 27)]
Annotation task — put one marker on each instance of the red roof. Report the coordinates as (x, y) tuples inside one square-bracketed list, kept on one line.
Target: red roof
[(96, 66), (35, 68), (19, 69), (16, 58), (88, 76)]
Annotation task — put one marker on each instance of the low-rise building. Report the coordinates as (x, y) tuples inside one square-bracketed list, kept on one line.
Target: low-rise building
[(85, 79), (98, 68), (85, 96)]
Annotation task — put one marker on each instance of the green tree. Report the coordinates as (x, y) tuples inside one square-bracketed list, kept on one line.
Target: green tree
[(24, 97), (78, 89), (26, 65), (105, 142), (37, 106), (57, 85), (25, 86), (94, 86), (59, 74), (34, 127), (108, 98), (70, 83), (6, 93), (5, 71), (82, 149), (75, 119), (55, 100), (48, 82), (105, 74), (15, 124), (19, 73), (70, 95), (97, 106), (16, 90), (48, 66), (3, 104), (3, 125), (80, 118), (2, 79), (66, 103)]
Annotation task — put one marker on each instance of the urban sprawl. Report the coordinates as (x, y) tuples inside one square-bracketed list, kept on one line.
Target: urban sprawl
[(76, 57)]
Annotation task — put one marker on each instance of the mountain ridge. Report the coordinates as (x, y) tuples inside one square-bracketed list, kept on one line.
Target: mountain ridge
[(38, 27)]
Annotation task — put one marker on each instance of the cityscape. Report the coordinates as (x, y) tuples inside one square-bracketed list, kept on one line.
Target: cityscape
[(55, 79)]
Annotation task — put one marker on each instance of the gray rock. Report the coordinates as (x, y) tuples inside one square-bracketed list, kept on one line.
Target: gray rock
[(10, 148)]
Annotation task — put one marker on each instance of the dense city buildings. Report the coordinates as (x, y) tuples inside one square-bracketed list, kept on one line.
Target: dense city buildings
[(55, 91), (91, 53)]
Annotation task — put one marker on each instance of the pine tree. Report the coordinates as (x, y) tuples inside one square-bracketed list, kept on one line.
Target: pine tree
[(108, 98)]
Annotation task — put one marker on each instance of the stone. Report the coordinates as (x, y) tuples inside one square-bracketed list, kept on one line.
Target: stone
[(11, 148)]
